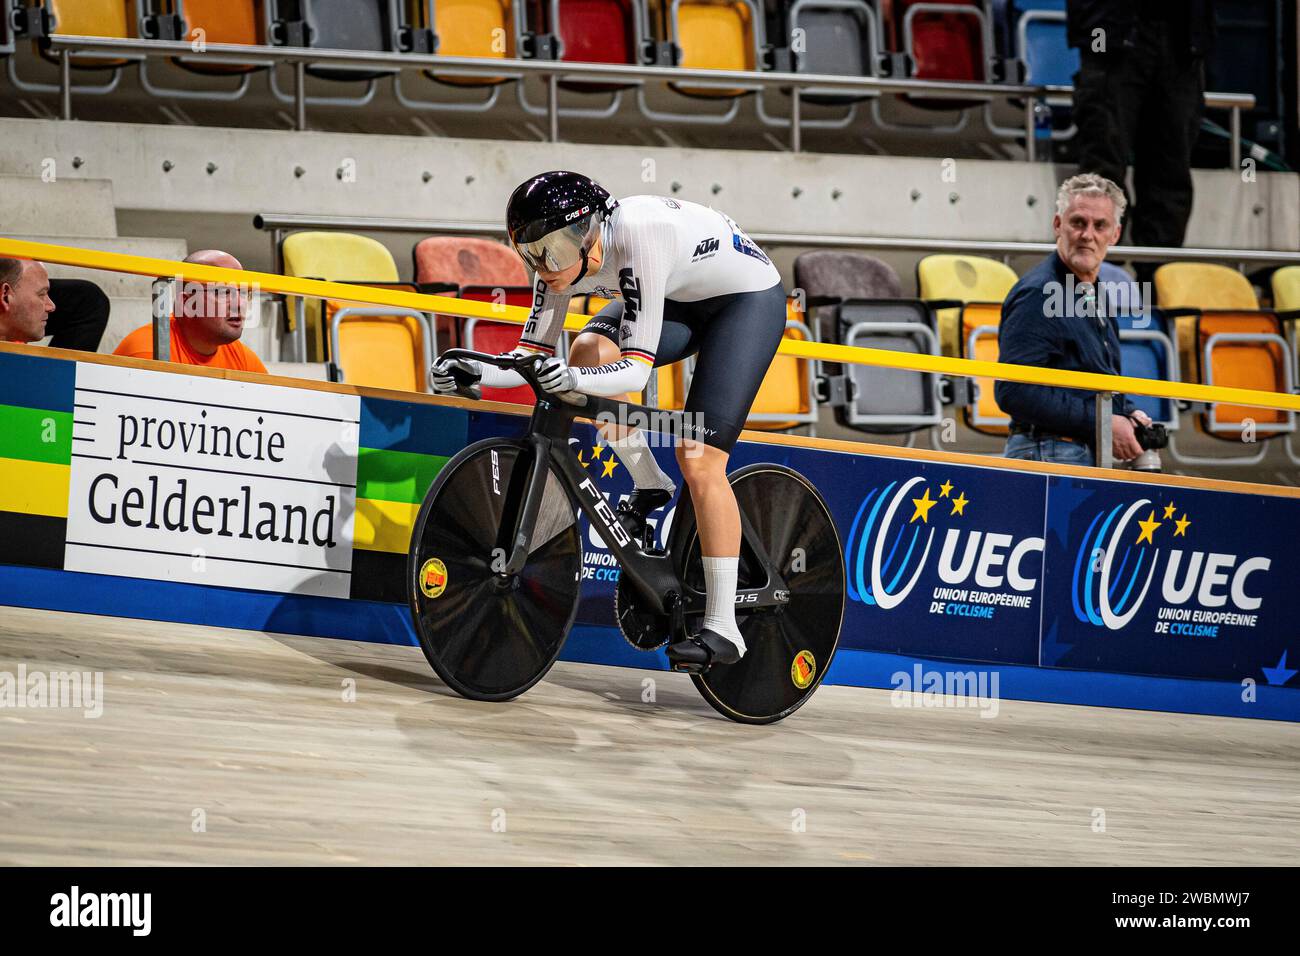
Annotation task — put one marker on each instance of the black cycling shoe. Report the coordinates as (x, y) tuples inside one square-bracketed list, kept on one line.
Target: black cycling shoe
[(700, 652), (633, 512)]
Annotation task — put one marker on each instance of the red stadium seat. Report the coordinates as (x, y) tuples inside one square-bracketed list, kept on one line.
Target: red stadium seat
[(465, 263), (495, 337), (597, 31), (944, 46)]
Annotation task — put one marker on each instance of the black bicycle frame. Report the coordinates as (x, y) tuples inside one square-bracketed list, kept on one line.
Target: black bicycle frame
[(549, 430)]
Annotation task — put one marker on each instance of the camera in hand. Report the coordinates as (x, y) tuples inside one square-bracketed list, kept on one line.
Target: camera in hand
[(1152, 438)]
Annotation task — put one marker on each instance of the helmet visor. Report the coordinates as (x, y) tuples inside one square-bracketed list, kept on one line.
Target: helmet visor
[(558, 250)]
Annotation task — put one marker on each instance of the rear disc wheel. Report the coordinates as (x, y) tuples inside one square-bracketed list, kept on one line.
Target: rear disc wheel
[(788, 647)]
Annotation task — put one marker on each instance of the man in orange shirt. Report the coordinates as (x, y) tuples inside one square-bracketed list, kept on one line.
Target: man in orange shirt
[(24, 300), (206, 326)]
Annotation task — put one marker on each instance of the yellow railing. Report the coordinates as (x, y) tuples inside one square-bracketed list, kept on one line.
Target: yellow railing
[(445, 305)]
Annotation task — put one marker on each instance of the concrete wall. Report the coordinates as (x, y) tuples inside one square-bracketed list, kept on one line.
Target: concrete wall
[(254, 171)]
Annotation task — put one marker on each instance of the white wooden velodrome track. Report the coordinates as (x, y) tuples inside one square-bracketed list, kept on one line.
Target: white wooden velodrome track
[(252, 731)]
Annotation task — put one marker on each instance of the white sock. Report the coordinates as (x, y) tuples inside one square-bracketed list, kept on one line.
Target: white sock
[(640, 462), (720, 599)]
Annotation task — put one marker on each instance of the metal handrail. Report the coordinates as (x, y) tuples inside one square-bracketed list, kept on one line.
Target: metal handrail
[(279, 222), (299, 57)]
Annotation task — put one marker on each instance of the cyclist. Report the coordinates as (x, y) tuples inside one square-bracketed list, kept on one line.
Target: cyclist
[(683, 279)]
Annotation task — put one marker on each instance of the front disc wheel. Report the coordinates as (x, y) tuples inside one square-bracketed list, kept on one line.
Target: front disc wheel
[(488, 636)]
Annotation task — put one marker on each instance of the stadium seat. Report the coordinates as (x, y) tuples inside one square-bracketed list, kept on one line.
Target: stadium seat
[(1033, 33), (858, 301), (785, 396), (1188, 287), (840, 39), (588, 31), (1040, 42), (980, 322), (496, 337), (381, 347), (1259, 360), (949, 41), (483, 29), (114, 19), (846, 275), (467, 263), (224, 21), (362, 25), (884, 400), (238, 22), (597, 31), (111, 19), (337, 257), (949, 44), (1146, 349), (478, 28), (1286, 289), (713, 35), (961, 279), (1225, 339)]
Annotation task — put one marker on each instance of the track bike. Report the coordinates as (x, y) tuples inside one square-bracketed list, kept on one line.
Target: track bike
[(495, 565)]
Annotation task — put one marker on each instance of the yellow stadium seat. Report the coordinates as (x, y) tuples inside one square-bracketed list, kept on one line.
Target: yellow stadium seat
[(981, 344), (1203, 285), (1200, 285), (786, 389), (479, 28), (1251, 364), (383, 351), (334, 256), (715, 36), (1215, 300), (114, 19), (962, 279), (671, 378), (1286, 289)]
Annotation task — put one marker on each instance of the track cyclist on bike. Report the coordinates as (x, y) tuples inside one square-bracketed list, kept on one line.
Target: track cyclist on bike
[(684, 280)]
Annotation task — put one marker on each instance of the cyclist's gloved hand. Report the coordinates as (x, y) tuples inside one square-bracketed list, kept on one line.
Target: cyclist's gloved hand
[(444, 381), (555, 376)]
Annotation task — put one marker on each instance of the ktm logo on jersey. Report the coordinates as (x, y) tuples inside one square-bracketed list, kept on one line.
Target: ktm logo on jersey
[(630, 286), (706, 247)]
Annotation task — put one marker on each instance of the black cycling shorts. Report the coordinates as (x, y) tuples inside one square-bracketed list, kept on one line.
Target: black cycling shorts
[(733, 338)]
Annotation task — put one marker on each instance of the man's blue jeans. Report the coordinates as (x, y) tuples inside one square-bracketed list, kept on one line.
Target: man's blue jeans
[(1049, 449)]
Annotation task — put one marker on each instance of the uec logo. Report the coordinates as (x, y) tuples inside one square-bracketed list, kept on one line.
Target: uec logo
[(877, 559), (1106, 595)]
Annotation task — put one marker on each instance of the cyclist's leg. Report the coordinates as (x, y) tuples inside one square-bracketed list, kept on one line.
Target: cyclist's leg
[(596, 345), (736, 349)]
